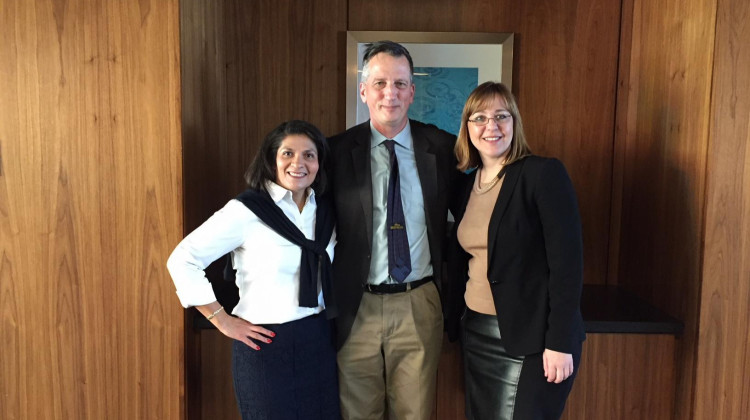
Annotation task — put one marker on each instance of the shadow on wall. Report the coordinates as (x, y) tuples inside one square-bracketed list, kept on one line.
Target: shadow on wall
[(660, 243)]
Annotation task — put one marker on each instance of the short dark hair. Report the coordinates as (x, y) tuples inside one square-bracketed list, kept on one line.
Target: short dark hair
[(391, 48), (263, 167)]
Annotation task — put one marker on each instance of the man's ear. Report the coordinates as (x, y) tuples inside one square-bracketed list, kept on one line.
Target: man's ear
[(362, 95)]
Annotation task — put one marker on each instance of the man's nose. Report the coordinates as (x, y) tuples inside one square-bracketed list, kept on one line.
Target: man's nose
[(391, 90)]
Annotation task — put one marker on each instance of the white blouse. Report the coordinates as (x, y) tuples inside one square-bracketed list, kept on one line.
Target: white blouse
[(268, 266)]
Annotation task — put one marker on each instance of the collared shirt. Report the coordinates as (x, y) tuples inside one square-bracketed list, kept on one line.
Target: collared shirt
[(268, 266), (413, 203)]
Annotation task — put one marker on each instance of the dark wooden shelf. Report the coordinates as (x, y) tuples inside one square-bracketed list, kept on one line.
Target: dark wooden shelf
[(611, 309)]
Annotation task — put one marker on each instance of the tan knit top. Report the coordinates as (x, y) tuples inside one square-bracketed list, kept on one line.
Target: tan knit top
[(472, 236)]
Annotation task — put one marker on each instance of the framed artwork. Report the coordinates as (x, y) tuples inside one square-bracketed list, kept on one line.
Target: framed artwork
[(447, 67)]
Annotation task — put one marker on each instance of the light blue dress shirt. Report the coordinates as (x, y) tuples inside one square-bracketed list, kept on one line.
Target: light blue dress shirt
[(413, 202)]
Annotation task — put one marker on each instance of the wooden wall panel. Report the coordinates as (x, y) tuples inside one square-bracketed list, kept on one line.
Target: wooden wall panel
[(624, 377), (660, 163), (449, 404), (90, 204), (722, 387), (217, 399), (248, 66), (210, 173), (565, 77)]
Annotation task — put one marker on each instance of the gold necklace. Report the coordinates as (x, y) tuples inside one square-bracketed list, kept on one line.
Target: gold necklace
[(481, 189)]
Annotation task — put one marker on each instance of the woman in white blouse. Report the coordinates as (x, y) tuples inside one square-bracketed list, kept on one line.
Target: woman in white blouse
[(283, 360)]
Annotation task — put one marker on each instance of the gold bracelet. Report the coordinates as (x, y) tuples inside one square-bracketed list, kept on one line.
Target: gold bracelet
[(210, 317)]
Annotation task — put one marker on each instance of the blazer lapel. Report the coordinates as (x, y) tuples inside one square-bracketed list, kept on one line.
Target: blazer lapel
[(361, 164), (512, 174), (466, 193)]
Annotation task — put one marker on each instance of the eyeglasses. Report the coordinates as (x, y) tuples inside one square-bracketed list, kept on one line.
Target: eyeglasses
[(499, 119)]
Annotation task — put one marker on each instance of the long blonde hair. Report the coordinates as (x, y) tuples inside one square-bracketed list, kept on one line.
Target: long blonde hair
[(480, 98)]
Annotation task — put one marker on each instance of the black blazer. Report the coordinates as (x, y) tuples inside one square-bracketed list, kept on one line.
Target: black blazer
[(535, 254), (351, 184)]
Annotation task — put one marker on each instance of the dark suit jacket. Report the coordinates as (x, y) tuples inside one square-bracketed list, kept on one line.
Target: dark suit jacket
[(535, 254), (351, 184)]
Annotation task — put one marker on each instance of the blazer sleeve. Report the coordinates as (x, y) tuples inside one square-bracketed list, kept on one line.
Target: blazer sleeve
[(561, 225)]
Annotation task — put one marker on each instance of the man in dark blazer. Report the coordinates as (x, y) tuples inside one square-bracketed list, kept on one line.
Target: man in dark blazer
[(389, 329)]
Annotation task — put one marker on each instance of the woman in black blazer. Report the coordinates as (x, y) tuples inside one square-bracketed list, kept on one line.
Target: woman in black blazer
[(516, 267)]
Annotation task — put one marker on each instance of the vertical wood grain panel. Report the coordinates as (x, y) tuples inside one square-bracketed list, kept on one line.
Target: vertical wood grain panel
[(624, 377), (218, 401), (565, 78), (90, 198), (722, 388), (450, 401), (204, 133), (661, 144), (247, 67)]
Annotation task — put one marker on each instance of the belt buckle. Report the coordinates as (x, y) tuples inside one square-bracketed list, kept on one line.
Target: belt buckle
[(371, 288)]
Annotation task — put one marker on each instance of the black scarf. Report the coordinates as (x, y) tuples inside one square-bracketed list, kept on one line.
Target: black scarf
[(315, 260)]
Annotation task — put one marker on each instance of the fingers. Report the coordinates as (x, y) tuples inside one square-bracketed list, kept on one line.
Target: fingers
[(560, 375), (249, 343), (246, 332), (257, 333), (557, 366), (262, 331)]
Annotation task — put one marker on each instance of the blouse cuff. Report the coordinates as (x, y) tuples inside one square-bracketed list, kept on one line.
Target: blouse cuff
[(197, 295)]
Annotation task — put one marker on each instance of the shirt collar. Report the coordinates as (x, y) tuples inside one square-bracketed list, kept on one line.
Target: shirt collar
[(403, 138), (278, 193)]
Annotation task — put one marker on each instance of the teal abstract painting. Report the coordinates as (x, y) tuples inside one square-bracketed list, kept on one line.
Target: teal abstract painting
[(440, 95)]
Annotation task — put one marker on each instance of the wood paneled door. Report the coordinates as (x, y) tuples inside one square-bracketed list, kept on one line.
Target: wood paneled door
[(90, 206)]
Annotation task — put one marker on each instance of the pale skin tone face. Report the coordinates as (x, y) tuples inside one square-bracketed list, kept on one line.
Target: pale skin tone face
[(388, 93), (493, 142), (297, 166)]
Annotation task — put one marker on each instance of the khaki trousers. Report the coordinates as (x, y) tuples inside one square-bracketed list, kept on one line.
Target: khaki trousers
[(389, 361)]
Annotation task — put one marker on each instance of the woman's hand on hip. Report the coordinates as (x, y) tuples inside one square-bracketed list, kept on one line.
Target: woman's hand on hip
[(234, 327), (557, 366), (242, 330)]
